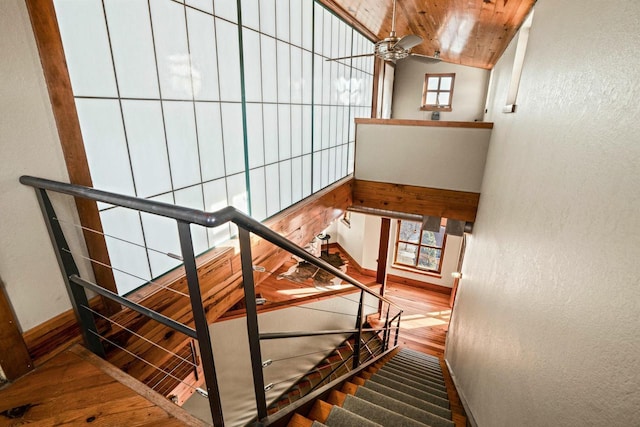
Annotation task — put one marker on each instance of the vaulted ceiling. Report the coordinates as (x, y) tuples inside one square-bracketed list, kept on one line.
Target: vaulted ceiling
[(467, 32)]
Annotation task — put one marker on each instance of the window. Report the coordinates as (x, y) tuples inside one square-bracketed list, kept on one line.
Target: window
[(419, 248), (437, 92)]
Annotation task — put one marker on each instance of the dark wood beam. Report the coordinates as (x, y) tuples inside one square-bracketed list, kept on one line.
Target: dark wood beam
[(47, 35), (14, 357)]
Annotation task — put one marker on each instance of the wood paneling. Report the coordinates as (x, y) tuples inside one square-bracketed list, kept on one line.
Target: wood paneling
[(467, 32), (14, 357), (430, 123), (411, 199), (77, 387), (55, 335), (54, 65)]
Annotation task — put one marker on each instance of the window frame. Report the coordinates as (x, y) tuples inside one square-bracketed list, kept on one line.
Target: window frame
[(415, 267), (423, 105)]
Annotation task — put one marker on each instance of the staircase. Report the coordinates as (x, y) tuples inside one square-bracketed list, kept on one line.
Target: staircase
[(338, 363), (405, 390)]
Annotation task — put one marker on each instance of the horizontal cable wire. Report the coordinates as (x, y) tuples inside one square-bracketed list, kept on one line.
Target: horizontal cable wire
[(166, 376), (140, 336), (62, 221), (326, 311), (299, 355), (141, 359), (129, 274)]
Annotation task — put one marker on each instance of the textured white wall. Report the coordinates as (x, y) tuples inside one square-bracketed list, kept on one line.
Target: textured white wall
[(437, 157), (545, 326), (28, 145), (468, 92)]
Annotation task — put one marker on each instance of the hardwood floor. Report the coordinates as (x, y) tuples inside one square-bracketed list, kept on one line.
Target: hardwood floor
[(77, 387)]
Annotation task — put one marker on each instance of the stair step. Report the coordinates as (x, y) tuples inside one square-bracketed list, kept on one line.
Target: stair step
[(420, 394), (428, 375), (377, 414), (430, 381), (298, 420), (405, 409), (408, 399), (415, 384), (416, 367), (418, 354), (339, 417), (419, 362)]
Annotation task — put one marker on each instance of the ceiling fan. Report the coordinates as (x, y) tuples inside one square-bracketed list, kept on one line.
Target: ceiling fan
[(393, 48)]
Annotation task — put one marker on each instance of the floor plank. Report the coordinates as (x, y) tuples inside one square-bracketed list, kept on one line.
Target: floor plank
[(76, 387)]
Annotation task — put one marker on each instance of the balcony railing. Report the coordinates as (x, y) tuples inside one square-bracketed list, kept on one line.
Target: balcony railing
[(198, 328)]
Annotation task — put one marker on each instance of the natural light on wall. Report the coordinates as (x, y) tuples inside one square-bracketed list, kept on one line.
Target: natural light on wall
[(208, 104)]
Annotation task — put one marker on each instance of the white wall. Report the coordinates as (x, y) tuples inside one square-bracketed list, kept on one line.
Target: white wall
[(545, 326), (28, 145), (438, 157), (468, 92)]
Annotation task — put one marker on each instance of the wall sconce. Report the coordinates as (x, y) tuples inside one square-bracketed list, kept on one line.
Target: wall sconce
[(456, 275)]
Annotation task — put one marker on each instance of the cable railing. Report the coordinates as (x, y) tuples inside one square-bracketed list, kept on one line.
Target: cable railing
[(176, 364)]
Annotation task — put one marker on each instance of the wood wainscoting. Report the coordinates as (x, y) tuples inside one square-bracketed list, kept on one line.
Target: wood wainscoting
[(460, 205)]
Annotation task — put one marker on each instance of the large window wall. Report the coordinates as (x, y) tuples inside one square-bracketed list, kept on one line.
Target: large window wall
[(207, 104)]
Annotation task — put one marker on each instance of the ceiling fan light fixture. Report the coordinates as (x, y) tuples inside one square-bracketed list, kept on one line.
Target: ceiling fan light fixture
[(388, 51)]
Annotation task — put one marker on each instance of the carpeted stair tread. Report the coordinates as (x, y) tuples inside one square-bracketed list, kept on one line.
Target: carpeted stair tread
[(415, 384), (430, 381), (418, 362), (400, 370), (339, 417), (420, 394), (398, 364), (377, 414), (399, 407), (415, 353), (408, 399)]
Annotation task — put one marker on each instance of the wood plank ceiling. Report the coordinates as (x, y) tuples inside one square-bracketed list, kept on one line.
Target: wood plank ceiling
[(467, 32)]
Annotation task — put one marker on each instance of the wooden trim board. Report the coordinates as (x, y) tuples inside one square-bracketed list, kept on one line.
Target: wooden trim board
[(460, 205), (430, 123), (45, 29), (14, 357)]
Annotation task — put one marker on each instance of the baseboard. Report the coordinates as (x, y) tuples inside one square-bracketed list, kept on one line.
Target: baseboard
[(419, 284), (470, 418)]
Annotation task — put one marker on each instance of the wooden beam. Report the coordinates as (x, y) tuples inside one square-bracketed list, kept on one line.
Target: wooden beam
[(14, 357), (411, 199), (383, 250), (429, 123), (54, 66)]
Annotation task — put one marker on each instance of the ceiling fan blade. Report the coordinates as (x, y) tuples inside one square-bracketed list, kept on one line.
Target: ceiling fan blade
[(426, 59), (408, 41), (347, 57)]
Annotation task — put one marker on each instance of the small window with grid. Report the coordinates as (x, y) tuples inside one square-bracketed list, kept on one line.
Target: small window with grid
[(418, 248), (437, 92)]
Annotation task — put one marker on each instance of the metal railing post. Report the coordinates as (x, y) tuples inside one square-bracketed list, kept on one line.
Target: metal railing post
[(395, 342), (385, 336), (253, 330), (68, 268), (200, 320), (356, 347)]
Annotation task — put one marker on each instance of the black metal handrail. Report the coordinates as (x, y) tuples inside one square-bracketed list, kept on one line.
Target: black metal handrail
[(185, 217), (195, 216)]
